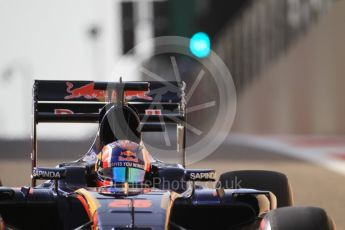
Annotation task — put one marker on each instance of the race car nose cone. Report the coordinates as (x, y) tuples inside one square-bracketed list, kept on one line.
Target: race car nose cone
[(199, 45)]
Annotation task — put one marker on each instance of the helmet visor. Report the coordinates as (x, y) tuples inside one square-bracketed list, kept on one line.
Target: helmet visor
[(125, 174)]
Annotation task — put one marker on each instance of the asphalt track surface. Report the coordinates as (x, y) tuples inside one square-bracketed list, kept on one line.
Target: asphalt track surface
[(312, 185)]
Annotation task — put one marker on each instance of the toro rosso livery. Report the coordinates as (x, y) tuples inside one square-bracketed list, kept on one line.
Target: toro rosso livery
[(117, 184)]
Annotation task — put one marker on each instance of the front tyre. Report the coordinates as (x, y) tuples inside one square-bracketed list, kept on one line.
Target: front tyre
[(297, 218), (275, 182)]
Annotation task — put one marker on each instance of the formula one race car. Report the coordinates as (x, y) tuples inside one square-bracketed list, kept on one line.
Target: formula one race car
[(118, 185)]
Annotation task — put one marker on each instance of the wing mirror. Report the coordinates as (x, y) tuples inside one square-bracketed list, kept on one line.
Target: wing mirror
[(174, 177), (48, 173), (55, 174), (200, 175)]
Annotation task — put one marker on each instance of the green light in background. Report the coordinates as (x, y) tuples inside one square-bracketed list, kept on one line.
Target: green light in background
[(200, 45)]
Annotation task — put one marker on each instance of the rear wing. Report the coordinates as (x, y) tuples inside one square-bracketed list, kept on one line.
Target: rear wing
[(81, 101), (155, 102)]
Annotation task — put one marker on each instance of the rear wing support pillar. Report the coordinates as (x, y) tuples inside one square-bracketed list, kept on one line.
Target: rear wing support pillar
[(181, 128), (181, 144), (34, 134)]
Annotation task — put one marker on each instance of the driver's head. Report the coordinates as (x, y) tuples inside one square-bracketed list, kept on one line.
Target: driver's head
[(122, 161)]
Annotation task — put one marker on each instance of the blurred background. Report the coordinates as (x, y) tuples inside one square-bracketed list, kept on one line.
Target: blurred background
[(286, 58)]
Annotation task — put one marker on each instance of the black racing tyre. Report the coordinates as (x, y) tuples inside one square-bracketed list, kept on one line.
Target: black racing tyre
[(297, 218), (275, 182)]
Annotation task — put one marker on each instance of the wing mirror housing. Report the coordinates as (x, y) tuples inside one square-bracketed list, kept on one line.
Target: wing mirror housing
[(174, 176), (55, 174), (200, 175), (48, 173)]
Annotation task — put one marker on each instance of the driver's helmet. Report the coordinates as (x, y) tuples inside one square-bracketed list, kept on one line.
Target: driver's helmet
[(122, 161)]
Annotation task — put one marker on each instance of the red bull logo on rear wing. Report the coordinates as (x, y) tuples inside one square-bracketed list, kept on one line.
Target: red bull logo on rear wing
[(89, 92)]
